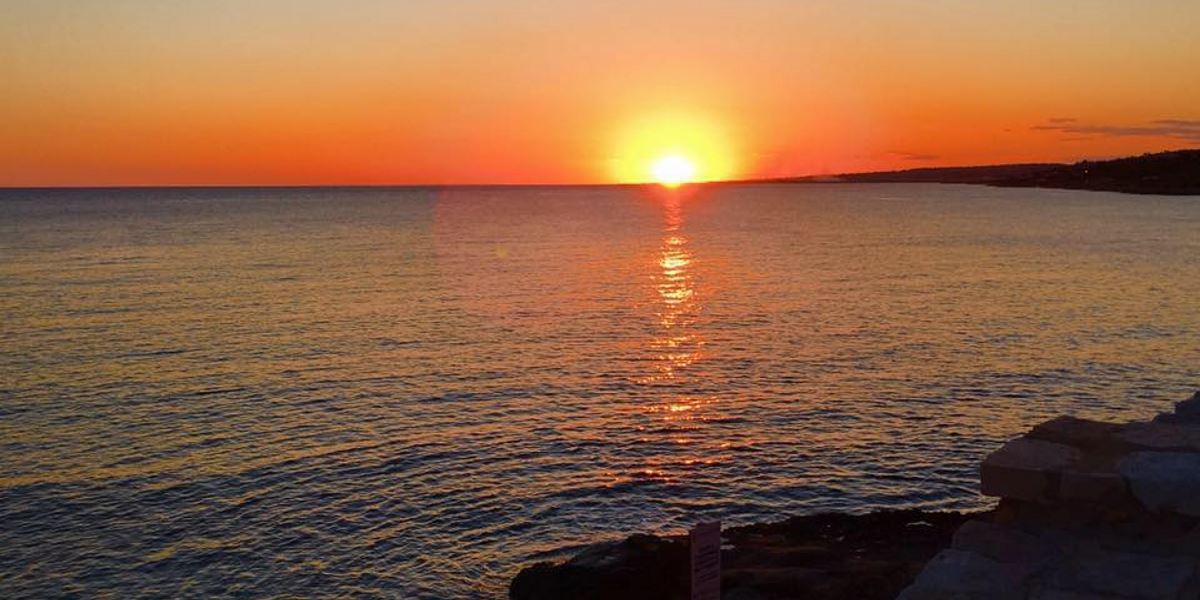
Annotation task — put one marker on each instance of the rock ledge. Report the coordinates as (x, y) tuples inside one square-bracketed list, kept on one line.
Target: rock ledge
[(1088, 510)]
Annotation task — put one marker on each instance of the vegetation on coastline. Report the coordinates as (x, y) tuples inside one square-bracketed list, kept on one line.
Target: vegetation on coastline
[(1176, 173)]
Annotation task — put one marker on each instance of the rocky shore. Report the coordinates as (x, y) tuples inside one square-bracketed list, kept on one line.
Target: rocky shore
[(821, 556), (1087, 510)]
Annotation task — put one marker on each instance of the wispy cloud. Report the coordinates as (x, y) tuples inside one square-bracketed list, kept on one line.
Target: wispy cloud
[(914, 156), (1181, 129), (1178, 123)]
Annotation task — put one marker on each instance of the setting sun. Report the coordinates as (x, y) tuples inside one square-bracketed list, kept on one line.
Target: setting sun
[(673, 148), (673, 170)]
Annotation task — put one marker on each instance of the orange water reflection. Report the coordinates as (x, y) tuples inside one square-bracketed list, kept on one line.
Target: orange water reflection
[(677, 417), (677, 346)]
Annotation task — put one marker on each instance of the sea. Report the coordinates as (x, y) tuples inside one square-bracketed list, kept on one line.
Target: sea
[(412, 392)]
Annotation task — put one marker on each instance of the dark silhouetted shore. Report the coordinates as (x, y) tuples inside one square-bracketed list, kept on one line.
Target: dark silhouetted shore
[(1171, 173), (821, 556), (1087, 509)]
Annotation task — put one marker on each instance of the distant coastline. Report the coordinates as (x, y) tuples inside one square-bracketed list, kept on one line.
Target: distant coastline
[(1174, 173)]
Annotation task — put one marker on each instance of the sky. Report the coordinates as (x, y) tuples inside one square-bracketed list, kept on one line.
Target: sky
[(273, 92)]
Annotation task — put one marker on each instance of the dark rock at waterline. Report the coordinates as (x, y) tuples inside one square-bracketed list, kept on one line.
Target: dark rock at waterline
[(823, 556), (1186, 411), (642, 567), (1088, 509)]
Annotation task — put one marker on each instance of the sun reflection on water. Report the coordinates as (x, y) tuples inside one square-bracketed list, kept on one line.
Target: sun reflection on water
[(677, 345), (678, 416)]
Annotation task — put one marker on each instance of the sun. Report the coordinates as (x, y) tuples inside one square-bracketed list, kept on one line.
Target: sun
[(672, 147), (673, 170)]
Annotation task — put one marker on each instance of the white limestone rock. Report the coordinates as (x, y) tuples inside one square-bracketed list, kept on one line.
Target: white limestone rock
[(1128, 575), (1026, 469), (1073, 431), (1157, 435), (1002, 544), (1168, 481), (1097, 487), (954, 574)]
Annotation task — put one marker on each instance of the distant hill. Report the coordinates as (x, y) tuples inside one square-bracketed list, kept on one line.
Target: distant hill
[(1174, 172), (980, 174)]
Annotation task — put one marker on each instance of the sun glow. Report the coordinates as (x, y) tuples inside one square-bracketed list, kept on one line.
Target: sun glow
[(673, 170), (673, 149)]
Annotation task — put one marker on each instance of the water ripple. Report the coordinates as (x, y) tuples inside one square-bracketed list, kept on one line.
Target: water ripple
[(412, 392)]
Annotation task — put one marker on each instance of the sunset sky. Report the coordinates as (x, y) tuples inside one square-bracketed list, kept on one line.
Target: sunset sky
[(123, 92)]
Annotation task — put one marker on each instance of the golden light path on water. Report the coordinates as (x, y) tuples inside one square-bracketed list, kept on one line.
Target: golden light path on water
[(678, 347), (675, 288)]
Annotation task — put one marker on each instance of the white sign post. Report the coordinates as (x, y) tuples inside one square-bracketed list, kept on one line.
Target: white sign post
[(705, 540)]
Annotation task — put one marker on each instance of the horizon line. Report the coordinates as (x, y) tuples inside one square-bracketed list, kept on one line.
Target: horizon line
[(810, 178)]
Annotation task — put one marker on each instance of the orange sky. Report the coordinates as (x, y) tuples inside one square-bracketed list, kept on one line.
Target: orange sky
[(123, 92)]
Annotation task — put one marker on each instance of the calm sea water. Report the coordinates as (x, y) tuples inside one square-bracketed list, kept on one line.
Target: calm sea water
[(412, 392)]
